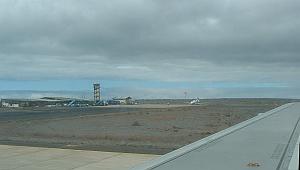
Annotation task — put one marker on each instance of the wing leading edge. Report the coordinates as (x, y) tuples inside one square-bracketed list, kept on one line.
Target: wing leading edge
[(266, 142)]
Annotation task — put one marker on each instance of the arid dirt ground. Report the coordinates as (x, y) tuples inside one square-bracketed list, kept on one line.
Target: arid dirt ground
[(154, 126)]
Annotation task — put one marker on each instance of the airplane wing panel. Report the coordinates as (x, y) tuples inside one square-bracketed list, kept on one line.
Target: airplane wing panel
[(266, 142)]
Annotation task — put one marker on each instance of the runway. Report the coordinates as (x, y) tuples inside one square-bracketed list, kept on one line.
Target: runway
[(37, 158)]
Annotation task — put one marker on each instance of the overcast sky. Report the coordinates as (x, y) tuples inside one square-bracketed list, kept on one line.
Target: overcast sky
[(161, 48)]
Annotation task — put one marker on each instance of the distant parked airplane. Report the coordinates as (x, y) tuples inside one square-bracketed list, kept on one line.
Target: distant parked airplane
[(195, 101)]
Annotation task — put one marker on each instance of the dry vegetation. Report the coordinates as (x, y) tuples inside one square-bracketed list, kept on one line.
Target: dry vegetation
[(158, 129)]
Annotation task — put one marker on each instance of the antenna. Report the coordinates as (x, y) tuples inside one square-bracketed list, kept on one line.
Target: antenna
[(185, 95)]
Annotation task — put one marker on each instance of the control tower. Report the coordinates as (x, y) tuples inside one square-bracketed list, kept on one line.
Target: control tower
[(97, 92)]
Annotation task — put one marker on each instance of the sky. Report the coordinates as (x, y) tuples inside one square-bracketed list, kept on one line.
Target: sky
[(150, 48)]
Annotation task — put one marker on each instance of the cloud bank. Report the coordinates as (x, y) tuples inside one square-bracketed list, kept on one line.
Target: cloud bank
[(170, 41)]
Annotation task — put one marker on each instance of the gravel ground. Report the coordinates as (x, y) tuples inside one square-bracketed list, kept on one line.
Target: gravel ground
[(154, 126)]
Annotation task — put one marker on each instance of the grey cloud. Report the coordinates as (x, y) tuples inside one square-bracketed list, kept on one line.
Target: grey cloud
[(193, 40)]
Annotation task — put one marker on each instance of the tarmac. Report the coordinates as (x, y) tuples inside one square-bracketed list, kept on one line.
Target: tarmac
[(37, 158)]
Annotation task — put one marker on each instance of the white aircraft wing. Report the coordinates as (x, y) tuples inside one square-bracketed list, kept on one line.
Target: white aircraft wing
[(265, 142)]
